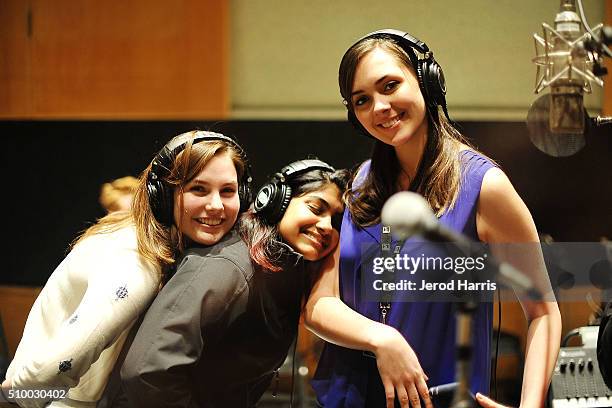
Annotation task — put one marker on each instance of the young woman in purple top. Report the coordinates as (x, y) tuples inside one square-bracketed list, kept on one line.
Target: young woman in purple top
[(394, 92)]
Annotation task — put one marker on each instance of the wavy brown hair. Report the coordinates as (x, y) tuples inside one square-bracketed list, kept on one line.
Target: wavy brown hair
[(157, 243), (439, 168)]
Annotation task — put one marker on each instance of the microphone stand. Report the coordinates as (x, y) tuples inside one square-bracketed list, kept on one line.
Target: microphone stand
[(465, 308), (464, 350)]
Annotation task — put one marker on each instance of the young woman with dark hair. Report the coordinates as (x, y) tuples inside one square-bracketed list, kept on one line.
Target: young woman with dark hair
[(398, 99), (79, 322), (223, 324)]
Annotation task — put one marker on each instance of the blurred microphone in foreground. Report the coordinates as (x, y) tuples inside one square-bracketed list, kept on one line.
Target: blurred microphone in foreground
[(409, 214), (568, 60)]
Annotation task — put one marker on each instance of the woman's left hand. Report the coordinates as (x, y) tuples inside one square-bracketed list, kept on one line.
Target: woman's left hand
[(487, 402)]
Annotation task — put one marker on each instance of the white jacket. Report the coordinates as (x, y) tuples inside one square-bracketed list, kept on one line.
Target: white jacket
[(78, 324)]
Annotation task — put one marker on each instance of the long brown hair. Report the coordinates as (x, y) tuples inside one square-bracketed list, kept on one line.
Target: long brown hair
[(157, 243), (440, 167)]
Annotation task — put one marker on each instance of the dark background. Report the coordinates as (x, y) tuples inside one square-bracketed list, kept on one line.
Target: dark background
[(53, 171)]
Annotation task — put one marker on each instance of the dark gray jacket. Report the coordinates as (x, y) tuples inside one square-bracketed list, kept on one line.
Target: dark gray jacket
[(215, 333)]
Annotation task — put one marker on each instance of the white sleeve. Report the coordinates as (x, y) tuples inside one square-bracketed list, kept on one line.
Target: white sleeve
[(119, 287)]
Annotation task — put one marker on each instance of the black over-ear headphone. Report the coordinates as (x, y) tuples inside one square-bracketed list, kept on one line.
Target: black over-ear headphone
[(161, 195), (429, 72), (273, 198)]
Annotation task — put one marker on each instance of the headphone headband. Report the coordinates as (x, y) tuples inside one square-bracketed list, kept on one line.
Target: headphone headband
[(301, 166), (414, 42)]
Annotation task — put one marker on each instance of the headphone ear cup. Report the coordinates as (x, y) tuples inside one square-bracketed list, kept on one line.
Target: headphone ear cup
[(158, 200), (245, 194), (264, 201), (420, 68), (285, 199), (272, 201), (432, 80)]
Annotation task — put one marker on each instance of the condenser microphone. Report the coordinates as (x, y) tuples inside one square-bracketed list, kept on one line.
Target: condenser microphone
[(566, 110), (409, 214), (557, 121), (569, 59)]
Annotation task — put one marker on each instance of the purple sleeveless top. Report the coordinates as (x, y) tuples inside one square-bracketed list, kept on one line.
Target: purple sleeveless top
[(343, 375)]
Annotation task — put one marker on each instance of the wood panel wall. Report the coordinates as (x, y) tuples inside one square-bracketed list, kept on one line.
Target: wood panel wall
[(15, 305), (15, 84), (144, 59)]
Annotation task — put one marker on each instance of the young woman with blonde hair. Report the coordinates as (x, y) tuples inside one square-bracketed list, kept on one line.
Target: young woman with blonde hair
[(117, 195)]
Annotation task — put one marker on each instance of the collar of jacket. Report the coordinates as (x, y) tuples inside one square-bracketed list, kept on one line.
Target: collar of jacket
[(288, 257)]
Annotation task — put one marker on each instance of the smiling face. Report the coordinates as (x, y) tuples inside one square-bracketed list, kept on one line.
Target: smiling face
[(387, 100), (209, 202), (310, 224)]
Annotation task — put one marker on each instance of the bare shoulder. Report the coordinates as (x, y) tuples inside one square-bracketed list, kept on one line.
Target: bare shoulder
[(502, 215), (496, 185)]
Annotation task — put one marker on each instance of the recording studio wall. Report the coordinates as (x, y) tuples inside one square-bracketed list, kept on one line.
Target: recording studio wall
[(53, 171)]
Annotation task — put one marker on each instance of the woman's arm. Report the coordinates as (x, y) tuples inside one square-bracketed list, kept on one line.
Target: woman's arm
[(118, 288), (331, 319), (504, 221)]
